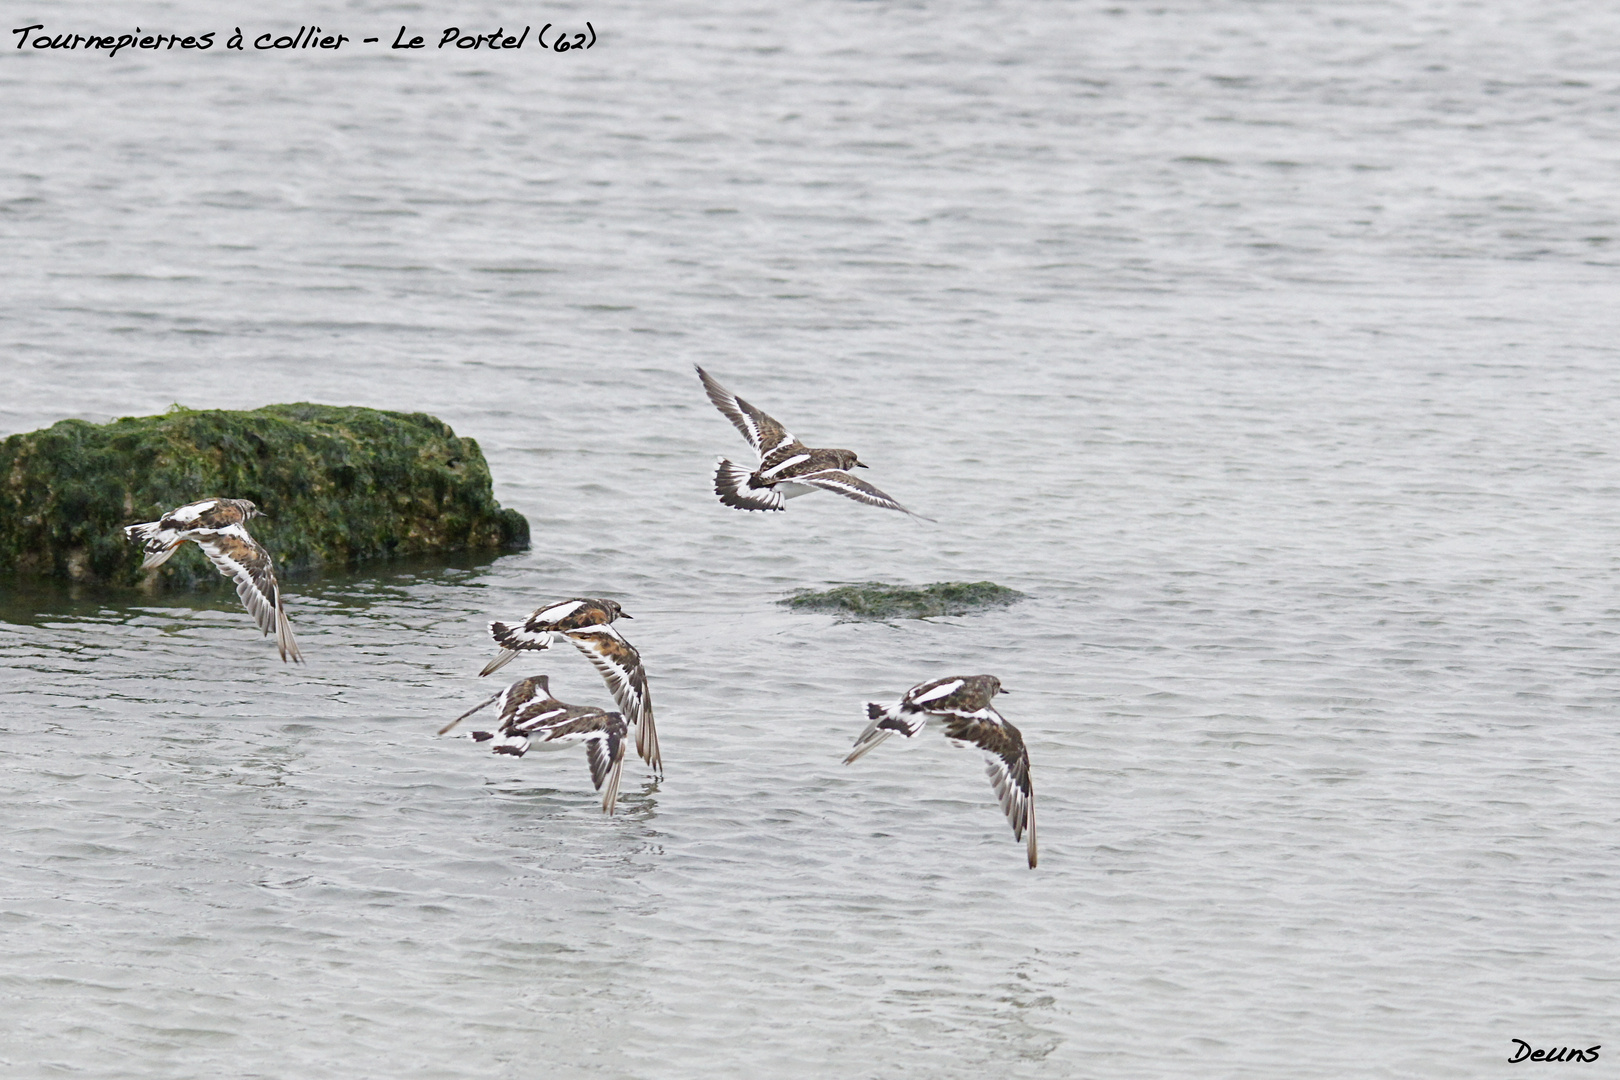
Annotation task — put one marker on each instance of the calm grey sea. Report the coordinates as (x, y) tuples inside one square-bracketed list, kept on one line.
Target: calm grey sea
[(1271, 348)]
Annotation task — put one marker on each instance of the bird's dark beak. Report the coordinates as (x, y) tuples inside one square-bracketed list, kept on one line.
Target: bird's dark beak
[(625, 615), (862, 465), (1003, 690)]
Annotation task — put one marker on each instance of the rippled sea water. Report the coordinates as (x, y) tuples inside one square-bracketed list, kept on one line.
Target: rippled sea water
[(1270, 348)]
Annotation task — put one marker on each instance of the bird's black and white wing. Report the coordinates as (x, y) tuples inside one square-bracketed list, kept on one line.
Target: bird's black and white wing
[(850, 487), (534, 720), (1007, 765), (239, 557), (486, 703), (620, 667), (763, 432), (604, 753)]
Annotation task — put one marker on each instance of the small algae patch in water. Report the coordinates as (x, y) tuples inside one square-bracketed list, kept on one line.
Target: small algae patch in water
[(875, 600)]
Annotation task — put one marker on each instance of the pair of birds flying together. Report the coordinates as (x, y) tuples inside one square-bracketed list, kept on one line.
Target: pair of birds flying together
[(787, 468), (529, 717)]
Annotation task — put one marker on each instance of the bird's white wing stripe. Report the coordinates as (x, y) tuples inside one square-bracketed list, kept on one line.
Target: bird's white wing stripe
[(755, 439), (942, 690), (532, 724), (788, 464), (192, 511), (740, 416), (558, 611), (843, 484)]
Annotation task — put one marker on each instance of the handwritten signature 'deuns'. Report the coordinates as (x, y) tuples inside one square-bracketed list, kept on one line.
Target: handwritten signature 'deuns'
[(1525, 1052)]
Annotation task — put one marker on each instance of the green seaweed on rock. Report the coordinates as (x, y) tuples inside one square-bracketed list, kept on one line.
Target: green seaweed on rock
[(338, 485), (875, 600)]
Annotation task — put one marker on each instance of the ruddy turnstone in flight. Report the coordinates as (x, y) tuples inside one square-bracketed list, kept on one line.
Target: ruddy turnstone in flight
[(531, 719), (218, 526), (585, 623), (962, 703), (534, 633), (787, 468)]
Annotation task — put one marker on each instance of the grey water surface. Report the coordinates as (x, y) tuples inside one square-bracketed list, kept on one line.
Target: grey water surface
[(1271, 348)]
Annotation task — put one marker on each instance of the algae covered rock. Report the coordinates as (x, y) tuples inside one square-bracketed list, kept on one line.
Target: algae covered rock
[(875, 600), (338, 485)]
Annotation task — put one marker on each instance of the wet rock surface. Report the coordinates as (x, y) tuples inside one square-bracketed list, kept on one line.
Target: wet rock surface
[(339, 485)]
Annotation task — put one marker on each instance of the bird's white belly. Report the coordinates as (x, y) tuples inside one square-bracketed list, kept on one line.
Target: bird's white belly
[(790, 490)]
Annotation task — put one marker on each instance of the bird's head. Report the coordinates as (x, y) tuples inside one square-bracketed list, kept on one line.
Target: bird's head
[(848, 460)]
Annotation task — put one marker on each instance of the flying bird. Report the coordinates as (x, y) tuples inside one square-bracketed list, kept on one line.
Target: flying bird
[(531, 719), (585, 623), (962, 704), (787, 468), (218, 526), (534, 633)]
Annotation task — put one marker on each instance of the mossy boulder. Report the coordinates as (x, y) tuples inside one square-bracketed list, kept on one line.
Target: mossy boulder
[(875, 600), (338, 485)]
